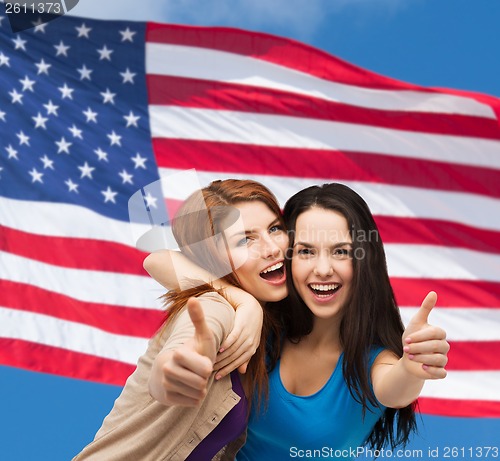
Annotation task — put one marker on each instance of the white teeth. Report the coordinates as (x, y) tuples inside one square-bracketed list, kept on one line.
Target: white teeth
[(332, 286), (273, 268)]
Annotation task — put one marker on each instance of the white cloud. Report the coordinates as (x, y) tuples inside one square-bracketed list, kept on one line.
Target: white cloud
[(132, 10)]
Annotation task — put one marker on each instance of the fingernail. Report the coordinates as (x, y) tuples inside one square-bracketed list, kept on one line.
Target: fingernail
[(425, 367), (218, 377), (408, 340), (406, 349), (411, 356), (221, 349)]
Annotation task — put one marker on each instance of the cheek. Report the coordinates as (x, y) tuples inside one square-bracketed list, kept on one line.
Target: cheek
[(240, 257)]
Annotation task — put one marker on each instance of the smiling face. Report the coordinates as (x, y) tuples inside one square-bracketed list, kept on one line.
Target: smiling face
[(322, 268), (257, 243)]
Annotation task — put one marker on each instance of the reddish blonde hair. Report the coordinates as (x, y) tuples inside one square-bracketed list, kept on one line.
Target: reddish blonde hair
[(198, 221)]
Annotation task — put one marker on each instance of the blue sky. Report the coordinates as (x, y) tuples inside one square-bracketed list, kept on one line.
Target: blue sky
[(438, 43)]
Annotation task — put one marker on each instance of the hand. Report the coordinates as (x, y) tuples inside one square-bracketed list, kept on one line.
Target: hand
[(244, 339), (425, 346), (187, 368)]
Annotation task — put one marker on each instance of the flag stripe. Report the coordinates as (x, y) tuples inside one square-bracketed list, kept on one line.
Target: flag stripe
[(461, 408), (474, 355), (224, 157), (452, 293), (198, 93), (55, 332), (83, 285), (168, 56), (173, 122), (74, 253), (107, 317), (386, 200), (46, 359)]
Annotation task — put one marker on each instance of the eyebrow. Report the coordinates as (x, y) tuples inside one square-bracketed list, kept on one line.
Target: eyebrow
[(308, 245), (248, 232)]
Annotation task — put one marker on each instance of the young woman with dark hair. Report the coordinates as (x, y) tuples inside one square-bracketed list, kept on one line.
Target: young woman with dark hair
[(343, 372), (234, 229)]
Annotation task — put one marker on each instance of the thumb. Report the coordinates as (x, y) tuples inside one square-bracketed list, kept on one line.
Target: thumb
[(428, 304), (203, 336)]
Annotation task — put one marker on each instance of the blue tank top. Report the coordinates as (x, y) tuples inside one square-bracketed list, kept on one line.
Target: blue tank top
[(325, 425)]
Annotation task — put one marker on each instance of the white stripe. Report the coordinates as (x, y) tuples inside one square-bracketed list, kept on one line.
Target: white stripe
[(206, 64), (384, 199), (438, 262), (465, 385), (51, 331), (460, 324), (84, 285), (64, 220), (296, 132)]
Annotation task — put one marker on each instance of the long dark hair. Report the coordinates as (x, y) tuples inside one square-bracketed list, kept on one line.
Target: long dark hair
[(370, 316), (195, 228)]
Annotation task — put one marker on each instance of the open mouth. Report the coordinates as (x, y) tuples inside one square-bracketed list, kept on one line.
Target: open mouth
[(274, 273), (324, 290)]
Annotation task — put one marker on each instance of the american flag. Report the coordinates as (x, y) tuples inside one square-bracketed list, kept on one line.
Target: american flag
[(92, 111)]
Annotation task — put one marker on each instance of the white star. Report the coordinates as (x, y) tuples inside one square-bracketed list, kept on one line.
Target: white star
[(126, 177), (36, 176), (76, 132), (39, 26), (43, 67), (19, 43), (101, 155), (91, 116), (131, 119), (140, 162), (2, 115), (23, 139), (63, 146), (105, 53), (86, 170), (4, 60), (62, 49), (51, 108), (150, 200), (108, 97), (16, 97), (85, 73), (72, 187), (109, 195), (127, 34), (40, 121), (128, 76), (47, 163), (66, 91), (114, 138), (83, 31), (27, 83), (12, 152)]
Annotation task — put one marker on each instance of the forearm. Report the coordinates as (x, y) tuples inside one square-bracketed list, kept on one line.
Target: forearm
[(397, 388)]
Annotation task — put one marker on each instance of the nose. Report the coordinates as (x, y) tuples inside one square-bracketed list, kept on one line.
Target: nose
[(323, 266), (270, 249)]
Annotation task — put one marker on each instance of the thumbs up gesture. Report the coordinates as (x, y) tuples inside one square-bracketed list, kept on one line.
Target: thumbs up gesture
[(425, 347), (185, 371)]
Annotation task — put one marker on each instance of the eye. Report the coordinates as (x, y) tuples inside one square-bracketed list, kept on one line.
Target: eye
[(275, 228), (342, 253), (305, 252), (243, 242)]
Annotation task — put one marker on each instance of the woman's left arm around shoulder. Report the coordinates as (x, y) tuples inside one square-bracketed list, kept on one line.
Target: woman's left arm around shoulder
[(397, 382)]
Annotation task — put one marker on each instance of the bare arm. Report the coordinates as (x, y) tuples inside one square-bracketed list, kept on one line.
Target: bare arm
[(397, 382)]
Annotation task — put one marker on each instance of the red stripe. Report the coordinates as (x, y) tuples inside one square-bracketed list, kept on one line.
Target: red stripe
[(474, 355), (47, 359), (75, 253), (451, 293), (460, 408), (195, 93), (230, 158), (114, 319), (436, 232)]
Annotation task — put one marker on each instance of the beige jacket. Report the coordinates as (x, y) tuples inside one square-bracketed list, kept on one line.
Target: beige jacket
[(139, 428)]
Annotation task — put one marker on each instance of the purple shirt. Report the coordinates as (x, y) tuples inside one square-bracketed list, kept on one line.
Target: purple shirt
[(229, 429)]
